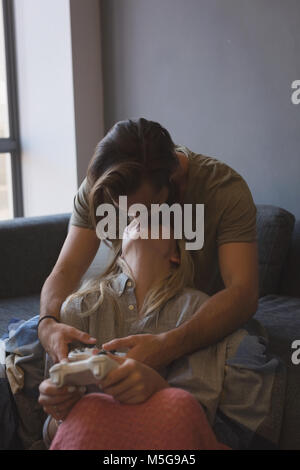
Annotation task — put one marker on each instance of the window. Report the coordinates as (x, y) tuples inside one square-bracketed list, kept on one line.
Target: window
[(11, 203)]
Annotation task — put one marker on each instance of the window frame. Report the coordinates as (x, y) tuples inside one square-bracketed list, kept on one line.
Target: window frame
[(12, 143)]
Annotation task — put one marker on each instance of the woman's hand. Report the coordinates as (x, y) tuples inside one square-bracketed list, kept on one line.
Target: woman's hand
[(132, 382), (58, 401)]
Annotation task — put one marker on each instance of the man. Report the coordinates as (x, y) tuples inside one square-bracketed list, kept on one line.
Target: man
[(138, 159)]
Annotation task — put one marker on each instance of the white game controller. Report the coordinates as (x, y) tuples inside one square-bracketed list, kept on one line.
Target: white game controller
[(83, 368)]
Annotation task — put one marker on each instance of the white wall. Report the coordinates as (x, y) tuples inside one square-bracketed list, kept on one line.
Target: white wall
[(57, 47), (46, 105), (87, 78)]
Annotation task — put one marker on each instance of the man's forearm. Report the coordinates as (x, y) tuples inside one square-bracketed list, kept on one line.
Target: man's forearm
[(219, 316), (55, 290)]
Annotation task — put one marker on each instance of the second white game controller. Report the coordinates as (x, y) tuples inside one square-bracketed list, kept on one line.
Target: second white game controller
[(83, 368)]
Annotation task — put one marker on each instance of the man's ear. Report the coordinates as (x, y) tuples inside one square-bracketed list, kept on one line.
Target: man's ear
[(175, 254), (175, 259)]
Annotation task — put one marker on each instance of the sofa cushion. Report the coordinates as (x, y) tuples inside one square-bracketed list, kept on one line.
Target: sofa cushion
[(29, 248), (281, 317), (274, 232), (20, 308)]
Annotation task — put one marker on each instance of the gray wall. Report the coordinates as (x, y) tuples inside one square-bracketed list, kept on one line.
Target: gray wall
[(217, 74)]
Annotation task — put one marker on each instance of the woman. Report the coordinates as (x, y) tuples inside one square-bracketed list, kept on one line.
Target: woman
[(148, 288)]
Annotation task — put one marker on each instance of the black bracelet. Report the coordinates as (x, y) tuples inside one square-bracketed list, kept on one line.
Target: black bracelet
[(47, 316)]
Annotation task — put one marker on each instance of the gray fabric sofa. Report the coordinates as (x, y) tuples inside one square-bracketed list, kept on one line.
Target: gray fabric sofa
[(29, 248)]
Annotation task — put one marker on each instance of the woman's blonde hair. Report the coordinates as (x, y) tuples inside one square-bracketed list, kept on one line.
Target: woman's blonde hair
[(180, 276)]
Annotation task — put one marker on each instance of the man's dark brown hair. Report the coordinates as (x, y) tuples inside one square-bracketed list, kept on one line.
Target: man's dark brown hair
[(133, 151)]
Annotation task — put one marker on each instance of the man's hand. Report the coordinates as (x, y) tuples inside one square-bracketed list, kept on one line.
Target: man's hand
[(149, 349), (132, 382), (55, 338), (77, 253), (58, 401)]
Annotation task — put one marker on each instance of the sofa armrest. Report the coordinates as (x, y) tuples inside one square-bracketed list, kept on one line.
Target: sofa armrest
[(274, 232), (290, 280)]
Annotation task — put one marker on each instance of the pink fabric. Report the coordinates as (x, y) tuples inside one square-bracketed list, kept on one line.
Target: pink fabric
[(171, 419)]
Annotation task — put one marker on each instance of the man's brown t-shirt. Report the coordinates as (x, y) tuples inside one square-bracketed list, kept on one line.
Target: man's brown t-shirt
[(229, 213)]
